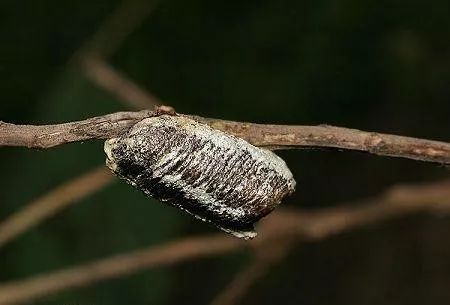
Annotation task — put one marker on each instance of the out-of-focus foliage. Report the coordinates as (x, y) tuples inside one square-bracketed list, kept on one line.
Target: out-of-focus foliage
[(375, 65)]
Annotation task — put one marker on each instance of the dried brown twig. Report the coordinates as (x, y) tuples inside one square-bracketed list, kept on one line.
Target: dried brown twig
[(52, 202), (255, 270), (399, 200), (284, 225), (46, 136), (183, 250), (131, 13), (112, 32), (281, 225), (269, 136), (242, 283), (110, 35), (109, 79)]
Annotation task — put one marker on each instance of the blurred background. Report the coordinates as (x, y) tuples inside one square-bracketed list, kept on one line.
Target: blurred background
[(373, 65)]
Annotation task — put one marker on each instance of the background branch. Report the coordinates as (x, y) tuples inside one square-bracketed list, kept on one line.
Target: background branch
[(52, 202), (106, 77), (264, 260), (269, 136), (125, 19), (116, 266), (279, 227)]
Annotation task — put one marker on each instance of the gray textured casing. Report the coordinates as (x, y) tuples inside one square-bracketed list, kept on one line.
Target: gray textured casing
[(212, 175)]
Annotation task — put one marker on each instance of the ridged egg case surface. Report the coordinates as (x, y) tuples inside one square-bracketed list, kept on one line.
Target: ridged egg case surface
[(210, 174)]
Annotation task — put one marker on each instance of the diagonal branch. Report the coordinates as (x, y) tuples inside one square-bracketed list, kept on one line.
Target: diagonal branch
[(243, 281), (280, 226), (268, 136), (52, 202), (116, 266), (105, 76), (111, 34)]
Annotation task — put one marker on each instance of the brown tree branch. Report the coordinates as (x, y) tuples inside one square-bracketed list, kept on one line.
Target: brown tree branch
[(77, 188), (91, 58), (46, 136), (395, 202), (280, 226), (264, 260), (52, 202), (120, 265), (106, 77), (111, 34), (283, 137), (242, 283), (268, 136)]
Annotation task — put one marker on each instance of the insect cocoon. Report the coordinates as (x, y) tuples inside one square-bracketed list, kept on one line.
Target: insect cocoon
[(212, 175)]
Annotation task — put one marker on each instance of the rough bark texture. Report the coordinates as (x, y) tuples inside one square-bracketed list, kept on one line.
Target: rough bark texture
[(268, 136)]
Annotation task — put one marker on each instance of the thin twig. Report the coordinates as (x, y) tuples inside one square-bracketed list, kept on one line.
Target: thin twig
[(51, 203), (283, 137), (264, 260), (106, 77), (72, 191), (281, 225), (183, 250), (243, 281), (46, 136), (125, 19), (104, 42), (400, 200), (268, 136)]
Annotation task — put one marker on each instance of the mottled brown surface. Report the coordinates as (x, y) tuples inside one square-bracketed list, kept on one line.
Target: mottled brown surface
[(261, 135), (225, 181)]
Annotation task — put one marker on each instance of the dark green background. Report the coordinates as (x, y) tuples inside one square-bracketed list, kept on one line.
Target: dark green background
[(373, 65)]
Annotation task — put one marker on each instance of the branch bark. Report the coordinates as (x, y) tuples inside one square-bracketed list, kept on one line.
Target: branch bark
[(106, 77), (263, 135), (291, 226), (243, 281), (53, 202), (46, 136), (116, 266)]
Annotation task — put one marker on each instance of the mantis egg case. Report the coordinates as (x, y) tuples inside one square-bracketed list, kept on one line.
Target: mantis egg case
[(210, 174)]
